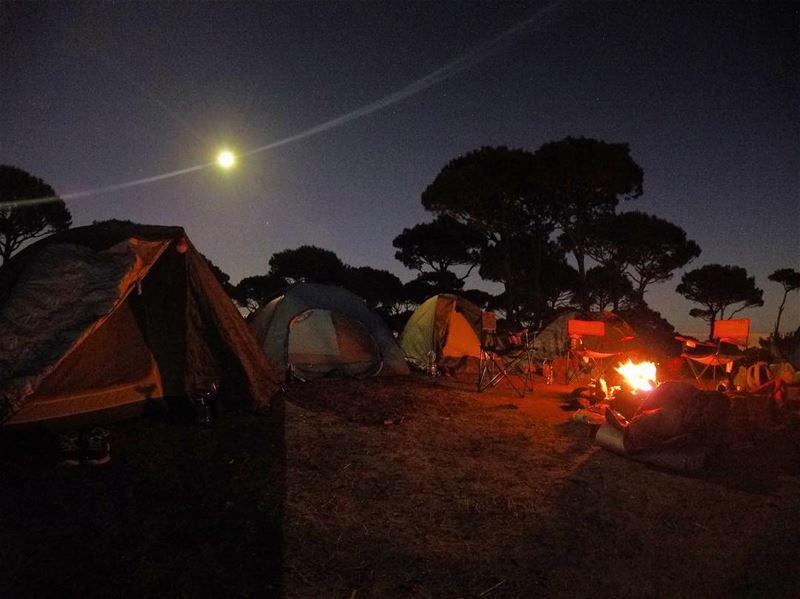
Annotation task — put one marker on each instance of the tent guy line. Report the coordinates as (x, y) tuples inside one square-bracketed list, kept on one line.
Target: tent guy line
[(478, 55)]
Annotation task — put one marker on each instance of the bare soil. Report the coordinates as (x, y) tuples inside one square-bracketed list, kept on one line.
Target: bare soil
[(425, 488), (411, 487)]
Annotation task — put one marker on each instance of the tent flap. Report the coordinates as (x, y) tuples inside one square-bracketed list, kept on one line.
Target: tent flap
[(324, 324)]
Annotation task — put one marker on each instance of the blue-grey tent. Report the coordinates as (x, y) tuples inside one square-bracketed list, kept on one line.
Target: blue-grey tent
[(319, 331)]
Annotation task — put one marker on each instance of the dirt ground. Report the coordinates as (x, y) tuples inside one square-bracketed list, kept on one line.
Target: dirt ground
[(181, 511), (411, 487), (425, 488)]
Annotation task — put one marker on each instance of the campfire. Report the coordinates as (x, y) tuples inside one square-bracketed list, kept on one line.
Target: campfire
[(639, 377)]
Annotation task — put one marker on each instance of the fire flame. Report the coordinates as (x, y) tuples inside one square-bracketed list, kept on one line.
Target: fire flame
[(640, 377)]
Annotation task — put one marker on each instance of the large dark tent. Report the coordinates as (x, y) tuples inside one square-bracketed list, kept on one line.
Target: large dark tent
[(104, 318), (553, 340), (321, 331)]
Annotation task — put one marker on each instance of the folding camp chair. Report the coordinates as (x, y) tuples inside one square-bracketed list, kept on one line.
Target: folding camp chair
[(730, 335), (585, 361), (504, 357)]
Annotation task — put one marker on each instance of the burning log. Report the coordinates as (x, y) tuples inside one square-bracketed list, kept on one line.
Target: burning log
[(639, 377), (638, 380)]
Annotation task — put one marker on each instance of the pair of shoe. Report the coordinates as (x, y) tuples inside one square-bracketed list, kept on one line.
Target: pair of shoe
[(94, 447)]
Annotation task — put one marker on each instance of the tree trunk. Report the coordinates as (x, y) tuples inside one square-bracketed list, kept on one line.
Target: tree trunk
[(640, 290), (712, 319), (508, 272), (5, 253), (538, 303), (583, 296), (780, 313)]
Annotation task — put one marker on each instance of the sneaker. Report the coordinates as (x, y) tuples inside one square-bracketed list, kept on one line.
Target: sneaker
[(69, 449), (98, 447)]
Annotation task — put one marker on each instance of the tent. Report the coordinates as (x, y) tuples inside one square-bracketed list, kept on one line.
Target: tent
[(97, 321), (553, 340), (318, 331), (444, 327)]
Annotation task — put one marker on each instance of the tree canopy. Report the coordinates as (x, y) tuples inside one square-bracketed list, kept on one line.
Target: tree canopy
[(308, 263), (648, 249), (583, 180), (492, 190), (378, 288), (20, 223), (790, 279), (489, 188), (254, 292), (607, 287), (539, 280), (428, 284), (717, 287), (439, 245)]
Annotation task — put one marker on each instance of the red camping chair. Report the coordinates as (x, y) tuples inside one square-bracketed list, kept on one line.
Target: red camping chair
[(583, 360), (730, 335), (504, 357)]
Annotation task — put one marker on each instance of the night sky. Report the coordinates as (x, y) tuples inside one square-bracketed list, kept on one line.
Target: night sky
[(706, 94)]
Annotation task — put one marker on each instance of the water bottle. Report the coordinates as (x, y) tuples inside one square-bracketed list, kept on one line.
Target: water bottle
[(202, 401), (547, 372), (431, 365)]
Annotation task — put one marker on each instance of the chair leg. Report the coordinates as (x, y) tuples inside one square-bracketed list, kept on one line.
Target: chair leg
[(486, 370), (697, 372), (494, 368)]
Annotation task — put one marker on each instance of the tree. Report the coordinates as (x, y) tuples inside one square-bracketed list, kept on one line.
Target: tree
[(20, 223), (439, 245), (255, 292), (603, 243), (716, 287), (653, 248), (645, 247), (790, 279), (539, 277), (559, 280), (583, 180), (492, 191), (429, 284), (309, 264), (479, 297), (380, 289), (607, 287)]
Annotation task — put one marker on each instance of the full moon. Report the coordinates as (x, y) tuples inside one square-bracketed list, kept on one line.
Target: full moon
[(226, 159)]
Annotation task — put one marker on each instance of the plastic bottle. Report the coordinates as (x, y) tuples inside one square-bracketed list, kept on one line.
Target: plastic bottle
[(431, 363), (547, 372)]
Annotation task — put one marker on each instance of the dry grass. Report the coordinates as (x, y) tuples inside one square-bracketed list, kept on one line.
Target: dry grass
[(399, 488), (415, 488)]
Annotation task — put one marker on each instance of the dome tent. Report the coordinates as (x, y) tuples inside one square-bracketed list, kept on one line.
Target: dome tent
[(96, 321), (445, 326), (553, 340), (319, 331)]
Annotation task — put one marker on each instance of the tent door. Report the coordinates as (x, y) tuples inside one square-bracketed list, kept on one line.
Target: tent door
[(323, 343), (461, 338)]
